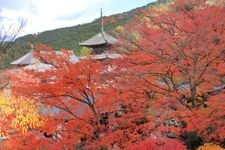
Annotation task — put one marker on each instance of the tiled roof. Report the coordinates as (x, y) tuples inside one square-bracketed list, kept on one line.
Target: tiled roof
[(29, 59), (25, 60), (99, 39)]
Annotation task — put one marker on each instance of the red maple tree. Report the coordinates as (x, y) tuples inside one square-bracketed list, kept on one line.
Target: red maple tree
[(177, 62)]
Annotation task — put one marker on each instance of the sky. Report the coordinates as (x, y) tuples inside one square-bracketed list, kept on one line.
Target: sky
[(42, 15)]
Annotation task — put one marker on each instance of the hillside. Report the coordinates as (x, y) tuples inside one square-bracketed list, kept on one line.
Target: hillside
[(68, 37)]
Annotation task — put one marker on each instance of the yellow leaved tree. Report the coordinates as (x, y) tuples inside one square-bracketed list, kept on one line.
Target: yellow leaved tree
[(19, 115), (210, 146)]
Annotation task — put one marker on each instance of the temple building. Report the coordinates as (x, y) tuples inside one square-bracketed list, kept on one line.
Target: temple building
[(28, 61), (101, 44), (25, 60)]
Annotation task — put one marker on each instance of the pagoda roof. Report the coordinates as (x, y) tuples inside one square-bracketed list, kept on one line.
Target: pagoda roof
[(99, 39)]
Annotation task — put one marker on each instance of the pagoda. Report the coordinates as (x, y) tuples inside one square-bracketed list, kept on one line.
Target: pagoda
[(100, 42)]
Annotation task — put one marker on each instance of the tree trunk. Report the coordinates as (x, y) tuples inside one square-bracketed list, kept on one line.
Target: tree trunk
[(96, 115), (193, 95)]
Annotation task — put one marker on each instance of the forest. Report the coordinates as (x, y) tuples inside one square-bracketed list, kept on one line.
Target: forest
[(165, 92)]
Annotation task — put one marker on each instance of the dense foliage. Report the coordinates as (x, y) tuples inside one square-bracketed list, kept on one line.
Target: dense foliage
[(167, 91)]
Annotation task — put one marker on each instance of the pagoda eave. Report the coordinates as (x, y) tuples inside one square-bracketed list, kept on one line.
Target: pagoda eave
[(96, 45)]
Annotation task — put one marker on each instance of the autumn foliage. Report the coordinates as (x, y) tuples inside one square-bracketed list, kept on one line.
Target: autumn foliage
[(167, 92), (19, 116)]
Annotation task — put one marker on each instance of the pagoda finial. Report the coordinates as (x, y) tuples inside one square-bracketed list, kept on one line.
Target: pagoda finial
[(102, 29)]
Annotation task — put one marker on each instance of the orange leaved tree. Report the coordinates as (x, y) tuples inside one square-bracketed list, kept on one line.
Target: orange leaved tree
[(73, 91), (177, 63)]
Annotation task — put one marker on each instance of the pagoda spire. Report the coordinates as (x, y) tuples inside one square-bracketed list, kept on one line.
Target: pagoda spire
[(102, 23)]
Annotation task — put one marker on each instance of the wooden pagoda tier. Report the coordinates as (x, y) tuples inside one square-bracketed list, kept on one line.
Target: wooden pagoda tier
[(99, 42)]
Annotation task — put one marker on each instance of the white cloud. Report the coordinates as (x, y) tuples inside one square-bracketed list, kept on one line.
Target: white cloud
[(41, 15)]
